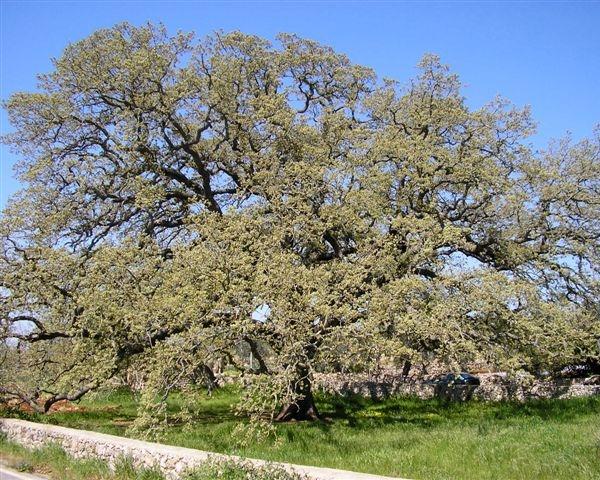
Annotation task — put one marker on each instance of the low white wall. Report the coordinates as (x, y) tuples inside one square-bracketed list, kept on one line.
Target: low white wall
[(171, 460), (494, 387)]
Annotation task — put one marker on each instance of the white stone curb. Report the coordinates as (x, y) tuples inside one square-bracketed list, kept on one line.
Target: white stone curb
[(171, 460)]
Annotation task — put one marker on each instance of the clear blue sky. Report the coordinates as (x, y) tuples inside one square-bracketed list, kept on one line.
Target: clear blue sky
[(544, 54)]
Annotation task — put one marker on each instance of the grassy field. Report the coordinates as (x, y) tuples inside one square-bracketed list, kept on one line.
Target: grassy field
[(429, 440)]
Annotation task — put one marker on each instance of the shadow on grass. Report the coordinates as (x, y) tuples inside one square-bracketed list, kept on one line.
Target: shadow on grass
[(357, 410), (113, 412)]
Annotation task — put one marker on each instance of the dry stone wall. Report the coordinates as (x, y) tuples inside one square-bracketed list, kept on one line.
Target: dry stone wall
[(173, 461), (494, 387)]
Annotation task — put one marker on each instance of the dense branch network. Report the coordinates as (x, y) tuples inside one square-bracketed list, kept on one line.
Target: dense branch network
[(175, 187)]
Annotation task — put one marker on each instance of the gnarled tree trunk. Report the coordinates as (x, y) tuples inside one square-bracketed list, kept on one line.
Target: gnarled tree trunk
[(304, 408)]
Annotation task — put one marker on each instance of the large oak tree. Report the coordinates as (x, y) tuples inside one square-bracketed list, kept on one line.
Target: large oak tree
[(175, 188)]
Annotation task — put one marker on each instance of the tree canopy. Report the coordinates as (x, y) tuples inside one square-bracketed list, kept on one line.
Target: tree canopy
[(174, 188)]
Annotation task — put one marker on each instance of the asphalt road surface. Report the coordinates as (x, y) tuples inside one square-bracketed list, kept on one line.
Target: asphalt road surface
[(8, 474)]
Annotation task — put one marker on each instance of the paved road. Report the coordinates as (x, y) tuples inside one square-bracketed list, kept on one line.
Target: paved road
[(9, 474)]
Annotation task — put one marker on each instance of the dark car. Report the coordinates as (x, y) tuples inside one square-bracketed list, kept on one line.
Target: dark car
[(449, 379)]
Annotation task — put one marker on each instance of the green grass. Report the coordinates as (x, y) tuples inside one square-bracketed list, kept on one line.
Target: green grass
[(433, 440), (53, 462)]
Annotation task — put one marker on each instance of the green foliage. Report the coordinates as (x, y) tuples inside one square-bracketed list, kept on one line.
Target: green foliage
[(230, 470), (174, 186)]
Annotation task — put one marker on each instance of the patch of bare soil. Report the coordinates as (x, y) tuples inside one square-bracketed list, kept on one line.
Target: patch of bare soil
[(122, 422), (61, 406), (66, 406)]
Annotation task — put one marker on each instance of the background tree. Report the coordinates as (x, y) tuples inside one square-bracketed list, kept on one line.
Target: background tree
[(174, 187)]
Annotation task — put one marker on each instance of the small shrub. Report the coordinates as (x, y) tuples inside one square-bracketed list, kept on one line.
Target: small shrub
[(232, 470), (24, 467), (125, 470)]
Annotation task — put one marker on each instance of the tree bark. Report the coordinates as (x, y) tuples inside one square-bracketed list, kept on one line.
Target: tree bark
[(210, 379), (304, 407), (406, 368)]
